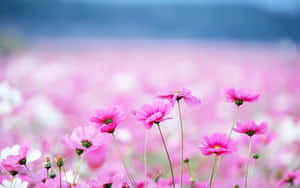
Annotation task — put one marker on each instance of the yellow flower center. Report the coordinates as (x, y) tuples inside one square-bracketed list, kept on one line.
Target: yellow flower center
[(177, 91), (217, 147)]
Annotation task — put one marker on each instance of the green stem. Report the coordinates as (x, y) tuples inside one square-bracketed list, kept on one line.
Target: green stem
[(249, 156), (168, 156), (145, 157), (182, 137), (229, 136), (76, 174), (59, 170), (131, 179), (190, 171), (213, 171)]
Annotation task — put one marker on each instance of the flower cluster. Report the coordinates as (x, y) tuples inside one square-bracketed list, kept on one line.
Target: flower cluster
[(154, 146)]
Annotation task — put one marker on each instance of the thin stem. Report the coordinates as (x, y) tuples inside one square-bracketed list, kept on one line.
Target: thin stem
[(182, 137), (213, 171), (65, 175), (249, 156), (145, 157), (234, 122), (131, 179), (12, 182), (168, 156), (76, 174), (190, 171), (59, 170), (229, 136), (31, 176), (47, 171)]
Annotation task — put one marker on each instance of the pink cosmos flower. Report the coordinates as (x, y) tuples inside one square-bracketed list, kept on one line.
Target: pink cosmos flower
[(13, 159), (108, 118), (177, 95), (251, 128), (12, 165), (217, 144), (155, 113), (291, 178), (87, 138), (239, 96)]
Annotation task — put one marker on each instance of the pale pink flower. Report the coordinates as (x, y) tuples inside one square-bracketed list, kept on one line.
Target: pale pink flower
[(12, 165), (13, 159), (239, 96), (155, 113), (86, 138), (108, 118), (251, 128), (217, 143), (177, 95)]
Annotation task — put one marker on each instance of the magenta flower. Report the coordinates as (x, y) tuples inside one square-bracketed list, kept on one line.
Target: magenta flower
[(239, 96), (87, 138), (217, 144), (251, 128), (177, 95), (291, 178), (155, 113), (108, 119)]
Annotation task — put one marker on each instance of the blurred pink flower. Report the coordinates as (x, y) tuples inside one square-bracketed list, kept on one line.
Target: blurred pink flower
[(155, 113), (291, 178), (239, 96), (96, 158), (13, 159), (183, 93), (12, 165), (251, 128), (108, 180), (108, 118), (86, 138), (217, 143)]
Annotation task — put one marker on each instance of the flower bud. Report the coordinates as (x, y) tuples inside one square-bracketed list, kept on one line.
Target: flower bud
[(52, 174), (60, 161), (47, 163), (255, 156)]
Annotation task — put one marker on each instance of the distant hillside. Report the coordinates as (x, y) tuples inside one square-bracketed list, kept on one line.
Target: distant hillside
[(185, 21)]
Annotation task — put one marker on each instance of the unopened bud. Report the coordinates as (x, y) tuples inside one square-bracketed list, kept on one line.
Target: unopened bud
[(255, 156), (60, 161), (47, 163), (52, 174)]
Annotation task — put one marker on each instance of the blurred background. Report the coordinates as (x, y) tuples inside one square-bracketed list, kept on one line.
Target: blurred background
[(67, 58)]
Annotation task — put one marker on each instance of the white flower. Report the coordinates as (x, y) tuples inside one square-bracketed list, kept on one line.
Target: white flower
[(14, 150), (32, 155), (15, 183), (10, 98)]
